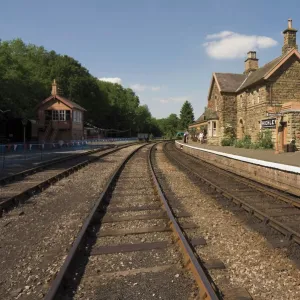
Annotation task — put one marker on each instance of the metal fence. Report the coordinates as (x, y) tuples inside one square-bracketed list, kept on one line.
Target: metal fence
[(19, 154)]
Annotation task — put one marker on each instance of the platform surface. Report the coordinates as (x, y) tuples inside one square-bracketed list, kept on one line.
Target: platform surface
[(290, 158)]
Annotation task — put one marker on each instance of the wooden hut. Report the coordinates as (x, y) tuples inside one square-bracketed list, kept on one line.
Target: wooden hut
[(59, 118)]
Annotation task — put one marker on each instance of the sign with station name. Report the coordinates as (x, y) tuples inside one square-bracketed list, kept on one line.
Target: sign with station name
[(268, 123)]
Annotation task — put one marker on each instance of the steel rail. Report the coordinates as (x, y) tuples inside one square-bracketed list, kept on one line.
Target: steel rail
[(280, 194), (205, 286), (58, 281), (26, 194), (49, 163), (290, 233), (46, 164)]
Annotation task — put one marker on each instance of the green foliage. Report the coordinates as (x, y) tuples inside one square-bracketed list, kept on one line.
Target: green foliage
[(26, 74), (186, 115), (243, 143), (229, 136), (226, 142), (169, 126), (264, 141)]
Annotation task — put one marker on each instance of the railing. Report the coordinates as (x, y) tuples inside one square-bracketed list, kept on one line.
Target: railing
[(12, 154)]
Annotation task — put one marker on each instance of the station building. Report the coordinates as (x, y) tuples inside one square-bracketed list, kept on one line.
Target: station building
[(259, 98), (59, 118)]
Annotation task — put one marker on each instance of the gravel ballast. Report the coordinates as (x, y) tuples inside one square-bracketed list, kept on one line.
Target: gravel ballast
[(251, 262), (36, 237)]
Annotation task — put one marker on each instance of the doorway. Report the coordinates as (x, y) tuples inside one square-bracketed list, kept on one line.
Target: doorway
[(282, 137)]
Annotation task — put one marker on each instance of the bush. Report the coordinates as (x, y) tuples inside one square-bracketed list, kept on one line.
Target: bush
[(243, 143), (227, 142), (264, 139), (238, 144)]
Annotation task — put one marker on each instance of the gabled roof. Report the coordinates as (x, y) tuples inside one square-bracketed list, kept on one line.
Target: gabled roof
[(259, 74), (66, 101), (229, 82), (267, 70), (226, 82)]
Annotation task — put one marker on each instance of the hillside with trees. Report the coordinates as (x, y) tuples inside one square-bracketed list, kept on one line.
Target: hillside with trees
[(26, 74)]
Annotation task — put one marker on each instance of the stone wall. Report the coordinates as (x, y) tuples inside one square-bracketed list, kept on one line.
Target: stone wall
[(228, 116), (293, 127), (251, 109), (274, 177), (285, 82), (215, 98)]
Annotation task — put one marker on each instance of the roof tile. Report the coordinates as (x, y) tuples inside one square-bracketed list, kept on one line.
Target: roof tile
[(229, 82)]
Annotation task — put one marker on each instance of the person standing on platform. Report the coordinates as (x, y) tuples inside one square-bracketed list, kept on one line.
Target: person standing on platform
[(185, 137), (201, 137)]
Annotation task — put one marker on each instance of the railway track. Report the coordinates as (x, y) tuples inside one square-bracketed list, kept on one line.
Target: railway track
[(272, 207), (128, 247), (21, 186)]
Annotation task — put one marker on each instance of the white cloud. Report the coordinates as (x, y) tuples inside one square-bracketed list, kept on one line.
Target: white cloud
[(173, 99), (228, 44), (220, 35), (111, 79), (140, 87), (155, 88)]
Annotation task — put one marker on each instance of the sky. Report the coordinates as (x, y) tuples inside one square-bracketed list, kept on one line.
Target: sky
[(165, 50)]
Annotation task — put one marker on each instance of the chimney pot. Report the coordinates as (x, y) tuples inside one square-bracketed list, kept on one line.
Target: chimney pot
[(251, 63), (289, 40), (252, 54), (54, 88)]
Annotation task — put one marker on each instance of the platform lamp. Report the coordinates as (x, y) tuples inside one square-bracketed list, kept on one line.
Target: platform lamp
[(24, 122)]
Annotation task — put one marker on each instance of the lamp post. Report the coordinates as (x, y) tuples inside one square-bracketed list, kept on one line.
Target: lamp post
[(278, 117), (24, 122)]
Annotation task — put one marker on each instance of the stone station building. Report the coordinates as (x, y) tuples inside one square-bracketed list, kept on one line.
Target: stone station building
[(260, 98)]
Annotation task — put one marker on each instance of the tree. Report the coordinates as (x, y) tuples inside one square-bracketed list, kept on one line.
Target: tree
[(26, 74), (169, 126), (186, 115)]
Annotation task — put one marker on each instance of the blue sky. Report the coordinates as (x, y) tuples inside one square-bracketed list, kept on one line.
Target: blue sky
[(158, 47)]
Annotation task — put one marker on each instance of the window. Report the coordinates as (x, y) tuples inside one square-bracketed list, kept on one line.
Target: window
[(257, 92), (77, 116), (68, 115), (58, 115), (55, 115), (214, 128), (48, 115), (62, 115)]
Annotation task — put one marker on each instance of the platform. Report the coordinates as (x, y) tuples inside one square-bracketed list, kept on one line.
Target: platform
[(287, 158), (280, 171)]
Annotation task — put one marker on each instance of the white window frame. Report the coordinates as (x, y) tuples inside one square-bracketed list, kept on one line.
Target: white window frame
[(55, 115), (214, 128), (62, 115), (77, 116)]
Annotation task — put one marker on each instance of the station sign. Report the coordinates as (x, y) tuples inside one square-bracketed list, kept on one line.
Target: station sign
[(268, 123)]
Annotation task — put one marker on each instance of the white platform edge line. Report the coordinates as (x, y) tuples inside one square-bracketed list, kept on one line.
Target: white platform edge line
[(254, 161)]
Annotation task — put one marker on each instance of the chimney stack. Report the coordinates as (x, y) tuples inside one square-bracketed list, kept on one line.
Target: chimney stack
[(289, 38), (251, 63), (54, 88)]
